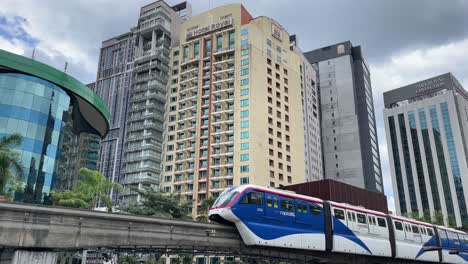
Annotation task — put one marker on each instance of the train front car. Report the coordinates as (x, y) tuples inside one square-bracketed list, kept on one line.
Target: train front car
[(221, 211), (454, 244), (415, 240), (359, 231), (270, 217)]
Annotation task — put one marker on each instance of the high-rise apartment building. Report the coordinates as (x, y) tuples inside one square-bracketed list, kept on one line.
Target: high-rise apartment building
[(234, 113), (112, 84), (311, 115), (426, 124), (349, 137), (132, 78)]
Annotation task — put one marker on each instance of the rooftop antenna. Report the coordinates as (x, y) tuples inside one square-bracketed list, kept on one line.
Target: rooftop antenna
[(33, 53), (66, 67)]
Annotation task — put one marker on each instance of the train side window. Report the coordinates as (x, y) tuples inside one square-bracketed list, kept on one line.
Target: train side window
[(252, 198), (315, 209), (423, 230), (361, 219), (350, 218), (287, 205), (299, 207), (415, 229), (398, 226), (430, 232), (275, 202), (269, 201), (304, 208), (339, 214), (382, 222)]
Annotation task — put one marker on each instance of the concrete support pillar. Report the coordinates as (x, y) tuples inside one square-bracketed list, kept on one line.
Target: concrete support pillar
[(29, 257)]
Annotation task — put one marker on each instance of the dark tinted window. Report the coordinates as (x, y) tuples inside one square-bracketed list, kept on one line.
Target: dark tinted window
[(415, 229), (361, 219), (350, 216), (269, 201), (339, 214), (430, 232), (302, 208), (315, 210), (287, 205), (398, 225), (252, 198), (382, 222)]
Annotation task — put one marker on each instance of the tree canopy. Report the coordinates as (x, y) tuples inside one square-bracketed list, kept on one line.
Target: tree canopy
[(10, 163), (157, 204)]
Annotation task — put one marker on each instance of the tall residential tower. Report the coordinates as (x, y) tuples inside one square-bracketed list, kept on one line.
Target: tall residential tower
[(132, 78), (427, 135), (349, 137), (311, 115), (234, 113)]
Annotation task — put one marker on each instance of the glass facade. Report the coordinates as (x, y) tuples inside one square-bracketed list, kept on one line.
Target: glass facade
[(43, 113), (406, 156), (396, 160), (419, 165), (453, 160), (441, 159), (429, 162)]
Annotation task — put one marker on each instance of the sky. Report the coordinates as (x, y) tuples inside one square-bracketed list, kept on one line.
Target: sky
[(403, 41)]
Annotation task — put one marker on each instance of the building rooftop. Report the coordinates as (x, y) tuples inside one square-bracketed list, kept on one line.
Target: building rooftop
[(92, 107), (441, 82)]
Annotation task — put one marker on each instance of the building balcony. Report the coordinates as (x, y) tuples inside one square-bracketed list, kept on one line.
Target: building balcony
[(222, 132), (190, 60), (155, 126), (191, 80), (226, 50), (144, 97), (189, 71), (222, 154), (184, 149)]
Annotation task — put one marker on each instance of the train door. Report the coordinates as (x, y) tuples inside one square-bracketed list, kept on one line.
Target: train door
[(416, 234), (408, 232), (352, 223), (341, 233), (302, 214), (362, 225), (424, 234), (272, 209)]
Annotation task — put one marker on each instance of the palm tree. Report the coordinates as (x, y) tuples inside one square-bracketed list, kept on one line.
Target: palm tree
[(204, 207), (96, 186), (9, 159)]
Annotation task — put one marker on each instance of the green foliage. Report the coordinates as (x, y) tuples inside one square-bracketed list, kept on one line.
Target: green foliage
[(157, 204), (438, 217), (204, 207), (10, 159), (154, 260), (127, 260), (96, 187), (91, 188), (71, 199)]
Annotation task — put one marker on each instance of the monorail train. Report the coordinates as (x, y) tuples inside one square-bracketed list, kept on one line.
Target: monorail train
[(277, 218)]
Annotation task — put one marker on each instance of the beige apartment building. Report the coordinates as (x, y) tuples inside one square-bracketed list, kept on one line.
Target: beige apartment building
[(234, 112)]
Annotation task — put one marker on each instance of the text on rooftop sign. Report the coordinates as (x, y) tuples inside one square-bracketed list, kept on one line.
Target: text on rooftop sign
[(208, 28), (429, 85)]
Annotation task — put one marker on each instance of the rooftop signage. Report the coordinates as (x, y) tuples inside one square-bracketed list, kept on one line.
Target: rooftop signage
[(197, 31), (275, 31), (429, 85)]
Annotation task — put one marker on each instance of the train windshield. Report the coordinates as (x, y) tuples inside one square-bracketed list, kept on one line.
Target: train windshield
[(224, 199)]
